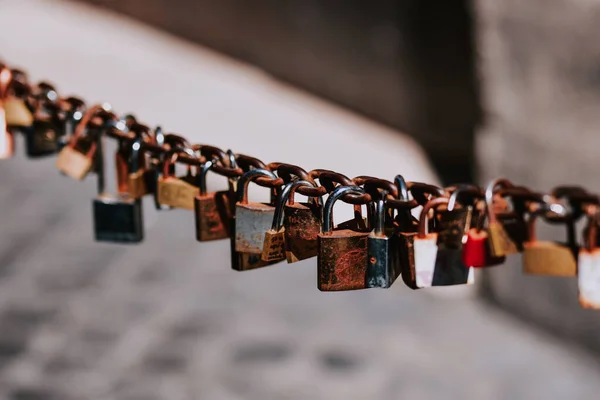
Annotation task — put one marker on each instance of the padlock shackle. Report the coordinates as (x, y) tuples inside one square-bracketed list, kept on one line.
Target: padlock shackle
[(171, 156), (207, 166), (334, 196), (423, 218), (282, 200), (379, 225), (465, 190), (98, 109), (400, 183), (250, 176), (136, 151), (6, 77)]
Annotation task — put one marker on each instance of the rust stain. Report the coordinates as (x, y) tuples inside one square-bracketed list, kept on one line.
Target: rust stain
[(342, 261)]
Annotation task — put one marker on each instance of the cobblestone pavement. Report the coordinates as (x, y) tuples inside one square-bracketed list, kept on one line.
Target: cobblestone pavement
[(168, 319)]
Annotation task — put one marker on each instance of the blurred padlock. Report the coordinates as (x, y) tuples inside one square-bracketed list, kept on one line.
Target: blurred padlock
[(176, 192), (588, 264), (72, 161), (500, 242), (42, 138), (117, 219), (550, 258), (302, 224), (342, 259)]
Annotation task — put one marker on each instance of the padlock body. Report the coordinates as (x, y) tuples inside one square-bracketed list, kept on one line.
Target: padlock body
[(500, 243), (383, 260), (342, 260), (243, 261), (136, 184), (450, 269), (476, 251), (549, 258), (17, 113), (73, 163), (118, 220), (515, 227), (175, 192), (302, 222), (425, 254), (213, 215), (588, 264), (252, 220), (451, 226), (274, 246), (41, 139)]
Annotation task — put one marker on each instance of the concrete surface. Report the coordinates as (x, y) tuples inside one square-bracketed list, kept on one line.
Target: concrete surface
[(168, 319)]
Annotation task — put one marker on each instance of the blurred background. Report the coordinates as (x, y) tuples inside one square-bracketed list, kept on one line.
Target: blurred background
[(445, 92)]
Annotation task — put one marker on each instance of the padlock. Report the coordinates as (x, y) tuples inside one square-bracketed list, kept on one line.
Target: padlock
[(500, 243), (213, 210), (342, 258), (274, 248), (249, 224), (42, 138), (435, 264), (137, 177), (302, 224), (382, 250), (6, 138), (117, 219), (588, 264), (70, 160), (176, 192), (476, 251), (550, 258)]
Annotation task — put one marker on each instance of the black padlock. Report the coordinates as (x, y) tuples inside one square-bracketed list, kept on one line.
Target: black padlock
[(117, 219), (42, 138), (383, 249)]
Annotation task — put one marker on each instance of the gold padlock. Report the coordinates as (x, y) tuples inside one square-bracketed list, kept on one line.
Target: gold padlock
[(500, 243), (550, 258), (70, 160), (173, 191)]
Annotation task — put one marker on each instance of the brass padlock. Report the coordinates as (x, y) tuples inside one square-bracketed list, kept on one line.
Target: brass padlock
[(274, 246), (213, 210), (550, 258), (588, 263), (302, 224), (342, 258), (117, 219), (174, 191), (249, 225), (70, 160), (500, 242)]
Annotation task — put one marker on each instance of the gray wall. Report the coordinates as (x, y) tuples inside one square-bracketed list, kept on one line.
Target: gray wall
[(407, 63), (540, 68)]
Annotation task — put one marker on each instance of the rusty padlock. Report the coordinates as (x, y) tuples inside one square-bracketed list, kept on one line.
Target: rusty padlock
[(500, 242), (173, 191), (546, 257), (71, 161), (588, 263), (302, 224), (250, 223), (274, 246), (342, 258), (213, 210)]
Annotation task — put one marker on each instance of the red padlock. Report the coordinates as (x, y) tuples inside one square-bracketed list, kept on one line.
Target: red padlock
[(476, 249)]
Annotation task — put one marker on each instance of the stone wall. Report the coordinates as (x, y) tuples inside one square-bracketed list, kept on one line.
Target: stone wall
[(540, 73)]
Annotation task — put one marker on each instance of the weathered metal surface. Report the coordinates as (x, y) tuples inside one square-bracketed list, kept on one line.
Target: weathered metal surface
[(342, 263), (302, 222), (383, 260), (407, 258), (252, 220), (450, 269), (213, 216)]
